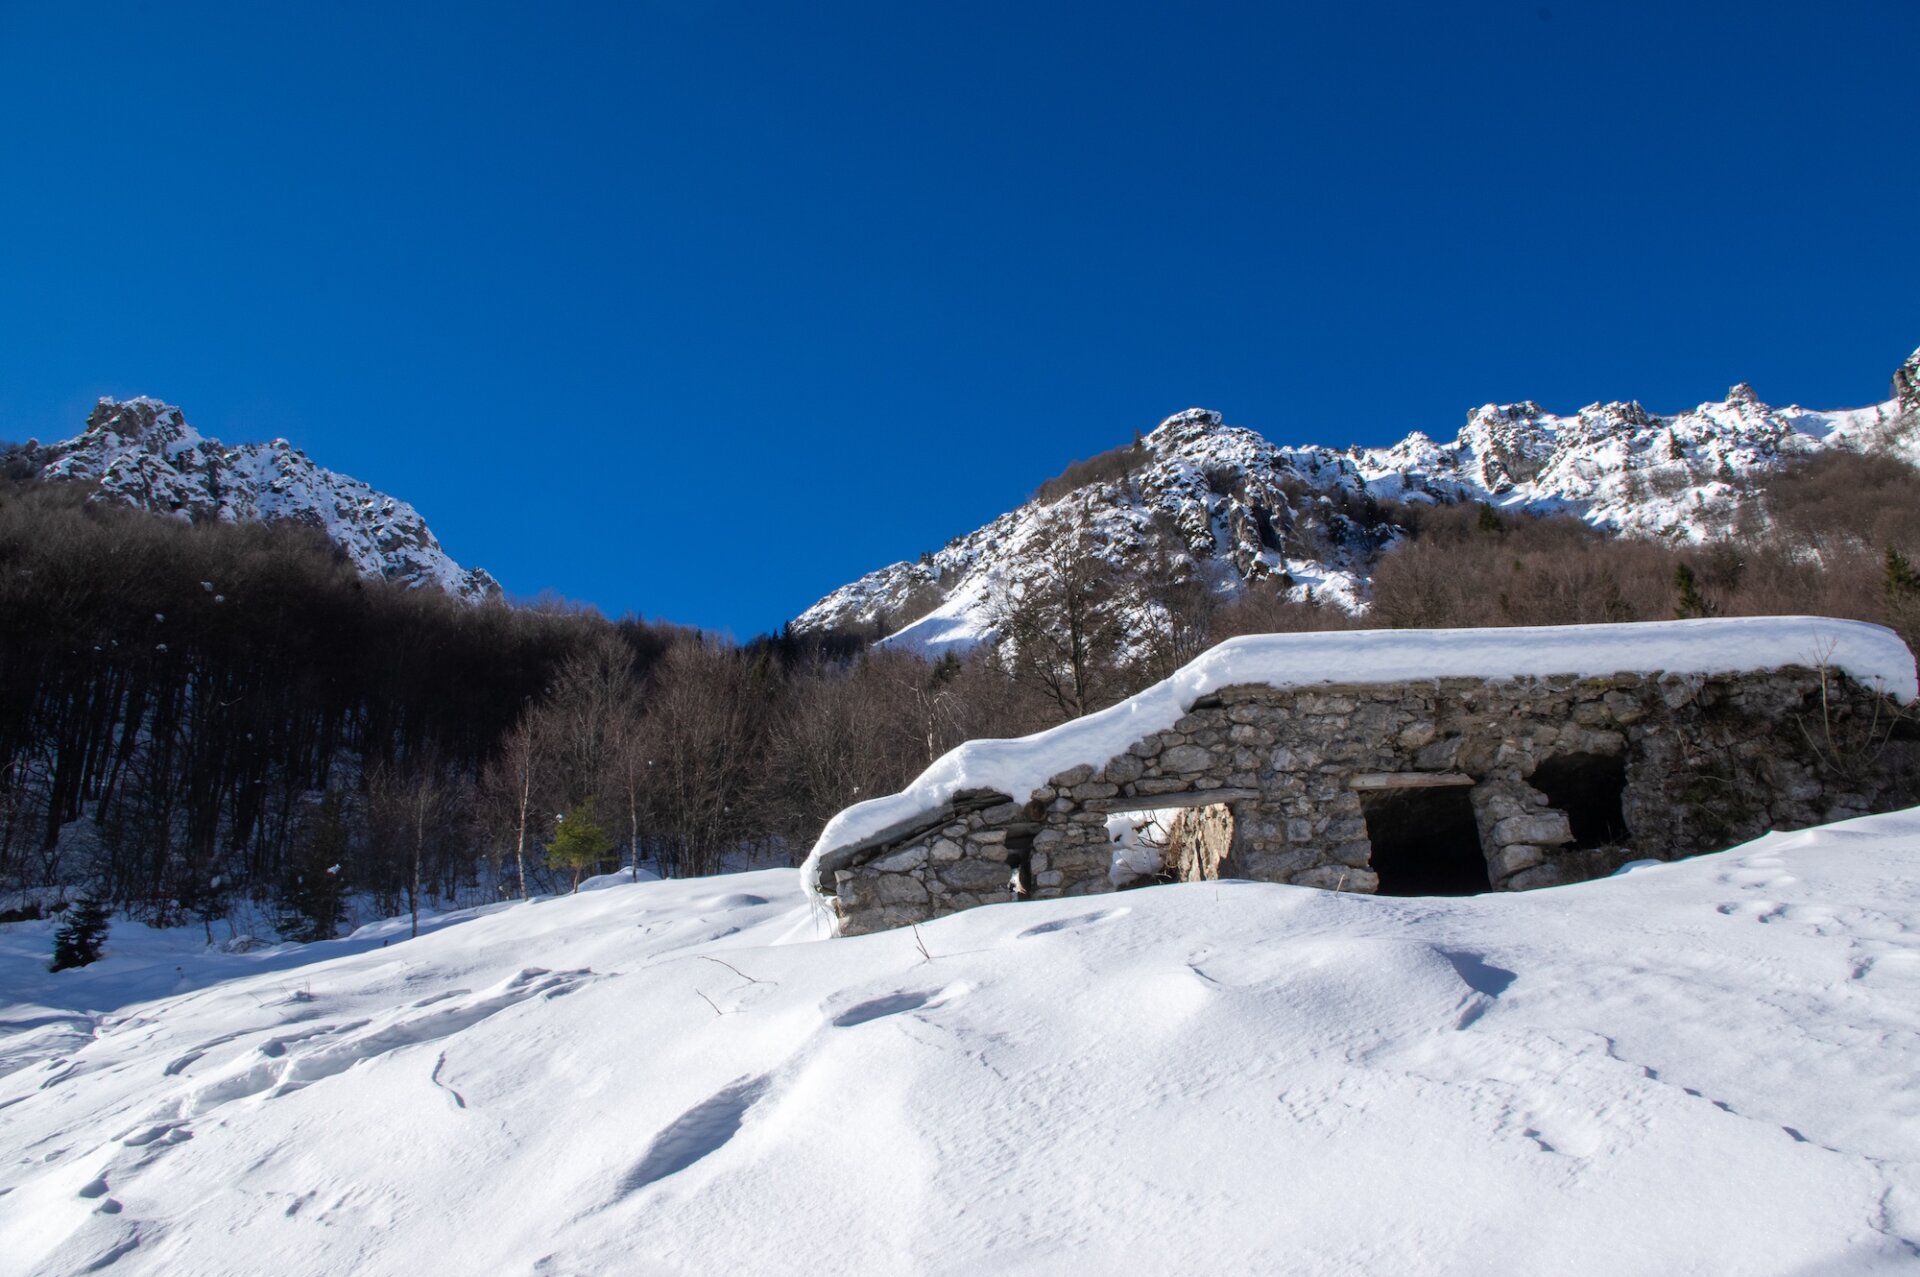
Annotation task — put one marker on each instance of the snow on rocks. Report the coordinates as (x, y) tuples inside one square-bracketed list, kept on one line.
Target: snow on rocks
[(1249, 510), (142, 452), (1698, 1067)]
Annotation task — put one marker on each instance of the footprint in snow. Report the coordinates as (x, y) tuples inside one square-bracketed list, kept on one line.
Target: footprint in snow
[(1074, 923), (699, 1132), (895, 1004)]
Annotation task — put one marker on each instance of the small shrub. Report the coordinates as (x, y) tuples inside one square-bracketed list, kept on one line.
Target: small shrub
[(79, 937), (579, 844), (1108, 467)]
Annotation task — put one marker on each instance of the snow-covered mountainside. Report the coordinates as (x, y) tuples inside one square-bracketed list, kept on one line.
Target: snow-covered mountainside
[(143, 452), (1703, 1067), (1244, 510)]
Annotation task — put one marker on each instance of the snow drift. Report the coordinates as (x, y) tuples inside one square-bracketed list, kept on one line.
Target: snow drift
[(1701, 1067)]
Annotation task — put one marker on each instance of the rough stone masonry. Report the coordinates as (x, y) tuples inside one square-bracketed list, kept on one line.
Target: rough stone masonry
[(1551, 779)]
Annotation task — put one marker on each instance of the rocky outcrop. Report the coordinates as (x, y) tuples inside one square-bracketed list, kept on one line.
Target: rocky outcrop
[(142, 452), (1906, 385), (1563, 779)]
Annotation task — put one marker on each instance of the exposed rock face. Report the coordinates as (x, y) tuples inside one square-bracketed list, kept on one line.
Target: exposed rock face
[(143, 452), (1567, 779), (1906, 385), (1200, 844), (1242, 510)]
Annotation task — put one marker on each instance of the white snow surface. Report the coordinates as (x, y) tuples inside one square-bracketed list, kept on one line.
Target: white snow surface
[(1705, 1067), (1872, 654)]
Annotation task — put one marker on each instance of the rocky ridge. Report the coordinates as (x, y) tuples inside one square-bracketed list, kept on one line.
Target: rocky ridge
[(142, 452), (1239, 509)]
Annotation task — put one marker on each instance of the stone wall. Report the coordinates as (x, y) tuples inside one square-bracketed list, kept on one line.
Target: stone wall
[(1694, 763)]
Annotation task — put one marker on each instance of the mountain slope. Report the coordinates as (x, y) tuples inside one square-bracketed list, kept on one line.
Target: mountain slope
[(143, 452), (1237, 509), (1704, 1067)]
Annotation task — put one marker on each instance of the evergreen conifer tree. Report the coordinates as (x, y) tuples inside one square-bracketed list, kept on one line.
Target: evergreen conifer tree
[(78, 939), (1689, 602), (1902, 586), (1902, 581), (580, 843), (312, 899)]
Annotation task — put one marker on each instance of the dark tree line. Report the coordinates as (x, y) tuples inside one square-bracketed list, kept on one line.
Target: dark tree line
[(192, 716), (172, 696)]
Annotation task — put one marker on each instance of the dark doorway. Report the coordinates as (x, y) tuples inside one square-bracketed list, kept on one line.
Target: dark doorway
[(1587, 787), (1425, 842)]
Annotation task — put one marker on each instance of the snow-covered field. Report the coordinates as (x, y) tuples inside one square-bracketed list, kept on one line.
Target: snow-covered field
[(1707, 1067)]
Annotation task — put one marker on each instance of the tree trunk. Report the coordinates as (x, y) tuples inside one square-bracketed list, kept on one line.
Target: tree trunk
[(520, 832)]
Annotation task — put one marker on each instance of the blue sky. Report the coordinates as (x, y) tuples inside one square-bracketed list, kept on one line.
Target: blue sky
[(697, 310)]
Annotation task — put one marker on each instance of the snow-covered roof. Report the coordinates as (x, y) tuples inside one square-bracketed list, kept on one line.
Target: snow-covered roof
[(1873, 655)]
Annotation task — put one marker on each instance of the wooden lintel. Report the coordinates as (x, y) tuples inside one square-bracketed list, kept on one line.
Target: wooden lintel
[(1183, 798), (1409, 780)]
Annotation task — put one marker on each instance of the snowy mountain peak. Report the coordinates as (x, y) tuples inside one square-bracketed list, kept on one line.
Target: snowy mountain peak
[(1190, 421), (143, 452)]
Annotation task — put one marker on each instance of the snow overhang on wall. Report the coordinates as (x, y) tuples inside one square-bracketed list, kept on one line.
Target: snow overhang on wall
[(1871, 655)]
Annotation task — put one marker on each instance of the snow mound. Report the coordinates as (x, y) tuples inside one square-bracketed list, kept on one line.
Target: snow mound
[(1873, 655), (1217, 1077)]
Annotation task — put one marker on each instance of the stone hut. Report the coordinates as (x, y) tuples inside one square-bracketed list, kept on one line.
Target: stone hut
[(1406, 763)]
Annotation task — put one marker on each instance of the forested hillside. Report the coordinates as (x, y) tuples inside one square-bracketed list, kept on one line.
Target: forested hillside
[(194, 715)]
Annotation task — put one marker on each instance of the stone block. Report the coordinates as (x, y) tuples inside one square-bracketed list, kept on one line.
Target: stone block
[(1416, 736), (1623, 709), (1354, 854), (1592, 714), (1073, 776), (979, 874), (1185, 759), (1124, 769), (1538, 876), (1338, 878), (896, 889), (1508, 861), (901, 861), (1544, 829), (1676, 693)]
